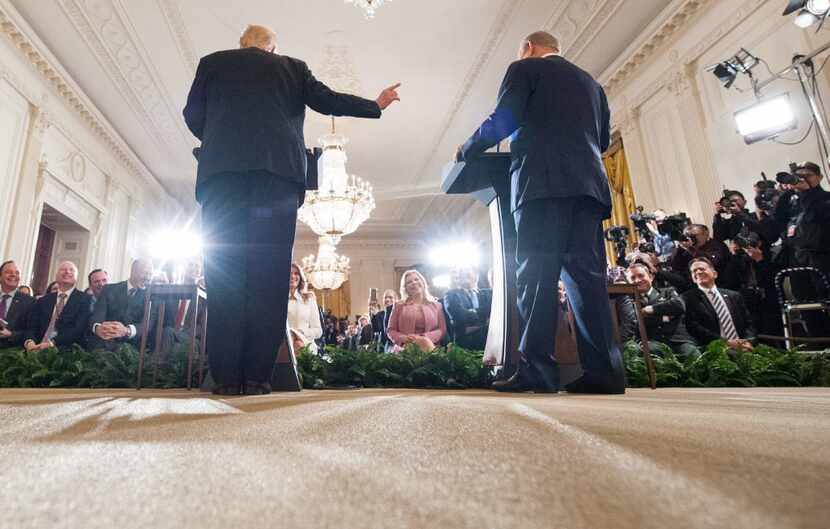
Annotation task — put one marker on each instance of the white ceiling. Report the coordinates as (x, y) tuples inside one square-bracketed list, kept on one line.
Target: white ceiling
[(136, 59)]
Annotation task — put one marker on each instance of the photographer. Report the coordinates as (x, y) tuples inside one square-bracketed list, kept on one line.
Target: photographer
[(803, 213), (730, 216), (751, 273), (697, 243)]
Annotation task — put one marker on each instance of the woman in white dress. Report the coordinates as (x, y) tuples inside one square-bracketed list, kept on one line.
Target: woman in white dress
[(303, 314)]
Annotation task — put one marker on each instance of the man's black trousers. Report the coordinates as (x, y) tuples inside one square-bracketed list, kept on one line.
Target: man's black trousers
[(564, 236), (248, 223)]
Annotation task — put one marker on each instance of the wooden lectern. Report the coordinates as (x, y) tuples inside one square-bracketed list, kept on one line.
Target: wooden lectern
[(487, 179)]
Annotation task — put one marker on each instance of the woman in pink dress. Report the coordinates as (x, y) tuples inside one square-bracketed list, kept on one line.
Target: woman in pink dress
[(418, 318)]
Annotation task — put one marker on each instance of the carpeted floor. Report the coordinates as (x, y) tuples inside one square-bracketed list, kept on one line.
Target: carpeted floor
[(671, 458)]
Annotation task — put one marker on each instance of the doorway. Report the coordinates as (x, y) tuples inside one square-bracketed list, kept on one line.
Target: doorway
[(59, 239)]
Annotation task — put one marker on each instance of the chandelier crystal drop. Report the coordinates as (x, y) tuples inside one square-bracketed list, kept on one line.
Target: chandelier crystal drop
[(341, 203), (326, 270), (369, 6)]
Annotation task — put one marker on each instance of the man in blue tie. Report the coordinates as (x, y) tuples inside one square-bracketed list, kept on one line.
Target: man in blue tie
[(558, 119)]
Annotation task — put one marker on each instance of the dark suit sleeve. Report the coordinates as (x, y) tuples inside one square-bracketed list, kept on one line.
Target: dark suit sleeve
[(326, 101), (99, 312), (76, 333), (627, 314), (20, 329), (605, 131), (672, 306), (508, 115), (194, 110), (749, 329), (701, 333), (34, 327)]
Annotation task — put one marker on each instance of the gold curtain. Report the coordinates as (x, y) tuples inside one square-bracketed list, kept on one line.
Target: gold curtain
[(622, 194), (338, 301)]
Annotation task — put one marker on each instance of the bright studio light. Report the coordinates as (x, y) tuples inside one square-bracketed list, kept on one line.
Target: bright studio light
[(766, 119), (455, 254), (442, 281), (175, 245)]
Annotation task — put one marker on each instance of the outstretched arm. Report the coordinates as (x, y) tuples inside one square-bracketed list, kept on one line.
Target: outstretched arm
[(506, 118), (326, 101)]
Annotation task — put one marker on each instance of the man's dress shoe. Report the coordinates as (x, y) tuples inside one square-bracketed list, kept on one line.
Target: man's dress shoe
[(226, 389), (600, 385), (256, 388), (518, 383)]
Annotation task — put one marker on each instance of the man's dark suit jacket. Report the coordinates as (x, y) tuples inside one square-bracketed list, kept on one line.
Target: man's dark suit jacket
[(115, 304), (261, 127), (558, 115), (702, 321), (665, 325), (17, 318), (462, 315), (71, 325), (379, 325)]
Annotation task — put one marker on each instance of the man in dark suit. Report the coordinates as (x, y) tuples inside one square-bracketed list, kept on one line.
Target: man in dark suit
[(380, 321), (14, 306), (248, 107), (558, 119), (663, 313), (59, 318), (714, 313), (467, 310), (119, 312)]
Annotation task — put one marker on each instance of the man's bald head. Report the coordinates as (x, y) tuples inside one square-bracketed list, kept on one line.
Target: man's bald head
[(141, 272), (537, 44), (261, 37)]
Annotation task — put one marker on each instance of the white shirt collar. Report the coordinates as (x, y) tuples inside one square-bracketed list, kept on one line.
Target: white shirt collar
[(707, 291), (11, 294), (552, 54), (68, 292), (130, 286)]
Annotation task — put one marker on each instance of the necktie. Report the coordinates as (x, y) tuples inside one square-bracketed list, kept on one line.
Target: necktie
[(55, 315), (3, 301), (727, 328), (132, 292)]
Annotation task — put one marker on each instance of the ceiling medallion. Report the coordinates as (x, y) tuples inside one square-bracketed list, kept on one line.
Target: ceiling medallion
[(368, 6)]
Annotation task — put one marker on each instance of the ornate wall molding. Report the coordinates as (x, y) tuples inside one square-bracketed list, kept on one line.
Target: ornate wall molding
[(105, 28), (654, 44), (61, 84), (184, 43)]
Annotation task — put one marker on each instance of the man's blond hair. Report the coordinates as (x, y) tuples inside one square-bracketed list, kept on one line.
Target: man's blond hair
[(258, 37), (543, 39)]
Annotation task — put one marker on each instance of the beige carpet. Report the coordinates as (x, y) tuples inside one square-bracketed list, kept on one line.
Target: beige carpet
[(671, 458)]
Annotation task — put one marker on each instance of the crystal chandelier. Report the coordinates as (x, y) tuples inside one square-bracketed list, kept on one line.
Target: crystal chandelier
[(341, 203), (326, 270), (368, 6)]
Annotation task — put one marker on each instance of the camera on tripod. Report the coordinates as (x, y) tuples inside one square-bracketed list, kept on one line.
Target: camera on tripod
[(619, 236)]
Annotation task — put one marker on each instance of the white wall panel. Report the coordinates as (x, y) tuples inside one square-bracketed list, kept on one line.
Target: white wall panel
[(14, 123)]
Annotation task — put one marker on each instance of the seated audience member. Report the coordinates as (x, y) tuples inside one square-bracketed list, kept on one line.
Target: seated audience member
[(98, 279), (303, 314), (26, 290), (662, 310), (714, 313), (180, 314), (418, 318), (380, 321), (330, 332), (60, 318), (468, 312), (366, 331), (14, 306), (700, 244), (119, 312), (51, 287)]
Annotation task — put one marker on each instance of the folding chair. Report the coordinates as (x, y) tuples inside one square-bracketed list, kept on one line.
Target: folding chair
[(801, 289)]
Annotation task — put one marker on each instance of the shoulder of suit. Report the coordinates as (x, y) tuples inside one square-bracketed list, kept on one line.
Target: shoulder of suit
[(730, 293)]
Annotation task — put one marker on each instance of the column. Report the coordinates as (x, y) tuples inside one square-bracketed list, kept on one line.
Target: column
[(628, 124), (28, 201)]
